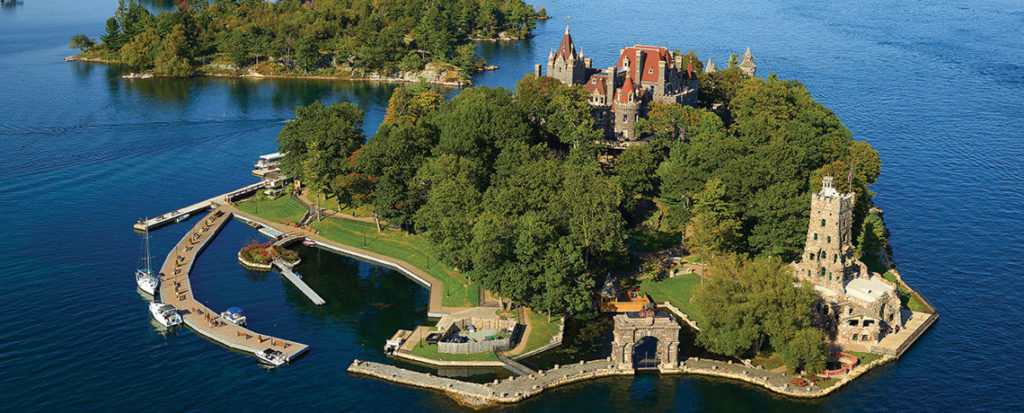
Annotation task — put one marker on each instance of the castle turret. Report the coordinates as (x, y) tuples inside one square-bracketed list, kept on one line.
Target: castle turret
[(710, 67), (747, 64), (626, 109), (566, 64), (828, 253)]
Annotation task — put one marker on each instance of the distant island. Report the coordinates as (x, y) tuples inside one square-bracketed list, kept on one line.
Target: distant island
[(403, 41)]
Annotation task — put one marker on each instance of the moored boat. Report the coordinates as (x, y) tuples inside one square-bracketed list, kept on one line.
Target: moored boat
[(165, 314), (271, 357), (144, 278), (308, 242), (234, 315)]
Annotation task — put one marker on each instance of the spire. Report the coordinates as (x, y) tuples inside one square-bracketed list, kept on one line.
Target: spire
[(566, 49), (627, 89), (689, 66), (747, 65), (710, 67), (567, 33)]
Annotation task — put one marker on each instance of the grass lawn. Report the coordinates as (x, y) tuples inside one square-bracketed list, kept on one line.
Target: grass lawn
[(331, 202), (909, 299), (541, 331), (413, 249), (284, 208), (430, 351), (769, 363), (866, 358), (677, 291)]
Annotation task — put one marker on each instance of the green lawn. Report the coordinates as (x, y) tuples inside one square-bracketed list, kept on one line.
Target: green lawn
[(429, 351), (677, 291), (457, 289), (866, 358), (541, 331), (769, 363), (283, 208), (909, 299), (331, 202)]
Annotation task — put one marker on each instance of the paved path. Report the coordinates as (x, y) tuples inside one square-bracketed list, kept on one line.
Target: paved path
[(176, 289)]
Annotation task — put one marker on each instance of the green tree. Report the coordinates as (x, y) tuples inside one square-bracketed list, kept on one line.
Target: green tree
[(637, 170), (451, 207), (716, 229), (169, 60), (307, 54), (81, 42), (140, 52), (805, 350), (872, 237), (319, 141), (238, 46), (112, 39)]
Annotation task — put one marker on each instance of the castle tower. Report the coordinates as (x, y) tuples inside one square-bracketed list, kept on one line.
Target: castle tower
[(828, 255), (626, 109), (566, 64), (710, 67), (747, 64)]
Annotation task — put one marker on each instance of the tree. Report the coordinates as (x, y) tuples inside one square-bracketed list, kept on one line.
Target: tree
[(169, 60), (588, 204), (569, 116), (806, 350), (409, 105), (81, 42), (716, 229), (140, 52), (451, 207), (636, 168), (238, 47), (749, 301), (394, 155), (112, 39), (307, 54), (872, 237), (319, 141)]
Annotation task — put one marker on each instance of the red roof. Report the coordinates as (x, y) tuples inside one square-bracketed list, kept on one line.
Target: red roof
[(595, 85), (567, 49), (651, 56), (627, 88)]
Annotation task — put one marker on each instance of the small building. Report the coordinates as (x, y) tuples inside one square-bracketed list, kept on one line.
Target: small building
[(612, 300)]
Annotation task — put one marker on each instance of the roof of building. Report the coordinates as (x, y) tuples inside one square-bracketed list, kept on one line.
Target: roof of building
[(748, 59), (626, 90), (648, 68), (868, 290), (710, 67), (595, 85), (566, 49)]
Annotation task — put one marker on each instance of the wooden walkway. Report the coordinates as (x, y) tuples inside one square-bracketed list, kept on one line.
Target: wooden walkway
[(171, 217), (176, 289)]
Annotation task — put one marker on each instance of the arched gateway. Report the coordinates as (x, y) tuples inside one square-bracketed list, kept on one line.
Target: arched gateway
[(631, 328)]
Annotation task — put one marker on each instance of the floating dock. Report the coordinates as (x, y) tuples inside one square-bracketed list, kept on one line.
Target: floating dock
[(290, 275), (172, 217), (176, 289)]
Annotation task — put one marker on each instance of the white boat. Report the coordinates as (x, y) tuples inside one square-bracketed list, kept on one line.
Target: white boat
[(165, 314), (181, 218), (308, 242), (145, 279), (272, 357), (234, 315), (269, 161)]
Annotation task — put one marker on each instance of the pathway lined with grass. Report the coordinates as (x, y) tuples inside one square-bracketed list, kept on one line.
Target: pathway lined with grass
[(678, 291)]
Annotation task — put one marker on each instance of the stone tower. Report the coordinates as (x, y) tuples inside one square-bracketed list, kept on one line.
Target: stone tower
[(626, 109), (747, 64), (567, 65), (710, 67), (828, 259)]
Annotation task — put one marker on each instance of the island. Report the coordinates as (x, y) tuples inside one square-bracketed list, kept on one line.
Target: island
[(401, 41), (664, 198)]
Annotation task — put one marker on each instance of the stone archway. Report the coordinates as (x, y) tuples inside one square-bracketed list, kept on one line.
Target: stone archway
[(631, 328)]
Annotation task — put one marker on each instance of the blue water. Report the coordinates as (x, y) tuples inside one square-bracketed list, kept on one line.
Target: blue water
[(936, 87)]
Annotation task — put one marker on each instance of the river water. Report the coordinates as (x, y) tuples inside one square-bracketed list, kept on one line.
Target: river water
[(936, 87)]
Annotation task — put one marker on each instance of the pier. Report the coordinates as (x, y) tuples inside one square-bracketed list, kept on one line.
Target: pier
[(171, 217), (176, 289), (290, 275)]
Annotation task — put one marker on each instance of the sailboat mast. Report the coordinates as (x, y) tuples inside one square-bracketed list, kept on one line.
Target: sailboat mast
[(149, 267)]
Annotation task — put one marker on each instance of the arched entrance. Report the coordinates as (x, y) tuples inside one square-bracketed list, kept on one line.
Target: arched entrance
[(645, 339), (645, 353)]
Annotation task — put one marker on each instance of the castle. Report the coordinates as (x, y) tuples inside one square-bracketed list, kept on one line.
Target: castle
[(620, 95), (863, 307)]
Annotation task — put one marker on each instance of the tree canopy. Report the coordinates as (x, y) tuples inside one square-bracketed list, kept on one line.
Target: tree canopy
[(384, 37)]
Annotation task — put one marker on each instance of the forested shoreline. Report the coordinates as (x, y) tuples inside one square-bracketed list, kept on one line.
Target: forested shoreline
[(398, 40)]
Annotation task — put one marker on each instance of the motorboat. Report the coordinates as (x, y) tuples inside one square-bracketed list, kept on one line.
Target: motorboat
[(182, 218), (271, 357), (165, 314), (145, 279), (308, 242), (269, 161), (234, 315)]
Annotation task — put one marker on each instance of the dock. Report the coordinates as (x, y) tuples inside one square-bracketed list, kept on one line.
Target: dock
[(176, 289), (171, 217), (290, 275)]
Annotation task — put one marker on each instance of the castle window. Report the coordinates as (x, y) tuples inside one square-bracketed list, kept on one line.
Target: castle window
[(822, 222), (853, 322), (808, 273), (868, 323), (835, 258), (822, 271), (815, 236), (828, 239), (864, 337), (651, 70), (624, 117), (810, 257), (854, 337)]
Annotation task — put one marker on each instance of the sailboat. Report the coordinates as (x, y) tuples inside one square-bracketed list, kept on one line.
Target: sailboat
[(147, 282)]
